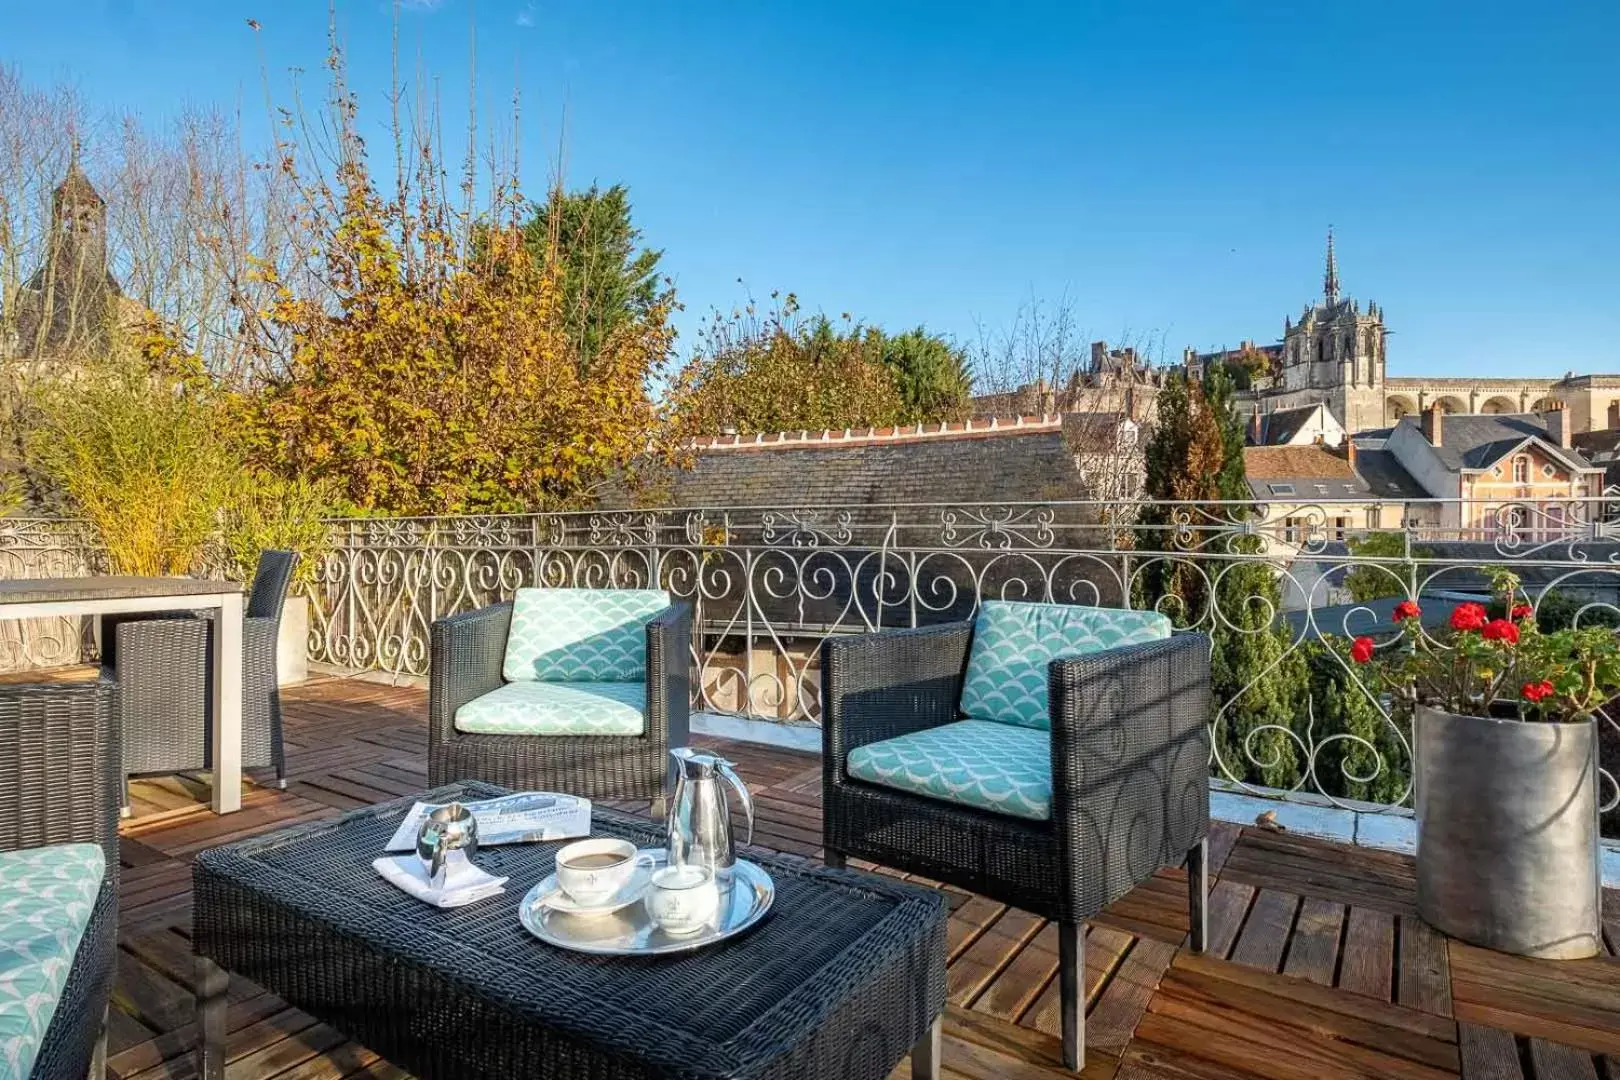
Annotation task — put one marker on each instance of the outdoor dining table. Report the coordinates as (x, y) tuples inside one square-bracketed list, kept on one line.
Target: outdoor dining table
[(117, 595)]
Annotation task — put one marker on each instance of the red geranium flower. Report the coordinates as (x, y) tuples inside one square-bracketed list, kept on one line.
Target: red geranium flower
[(1521, 611), (1534, 692), (1501, 630), (1468, 617), (1407, 609), (1361, 650)]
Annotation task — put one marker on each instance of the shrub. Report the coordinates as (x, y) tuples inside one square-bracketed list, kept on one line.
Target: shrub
[(137, 457), (263, 511)]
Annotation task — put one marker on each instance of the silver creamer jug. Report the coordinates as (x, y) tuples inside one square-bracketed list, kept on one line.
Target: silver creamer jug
[(699, 822)]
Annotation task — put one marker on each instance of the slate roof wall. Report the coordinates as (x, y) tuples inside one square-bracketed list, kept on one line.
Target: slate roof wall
[(1386, 477), (1009, 463), (1469, 441)]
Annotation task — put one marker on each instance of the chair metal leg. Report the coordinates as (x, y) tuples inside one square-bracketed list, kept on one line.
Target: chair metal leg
[(925, 1054), (212, 984), (834, 859), (1072, 996), (1198, 894)]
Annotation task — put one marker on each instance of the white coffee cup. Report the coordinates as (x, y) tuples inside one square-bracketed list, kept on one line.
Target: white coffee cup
[(593, 871), (683, 899)]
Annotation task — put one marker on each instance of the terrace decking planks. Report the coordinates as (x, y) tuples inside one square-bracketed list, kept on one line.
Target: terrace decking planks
[(1367, 964), (1313, 950), (1317, 969), (1425, 972), (1264, 937)]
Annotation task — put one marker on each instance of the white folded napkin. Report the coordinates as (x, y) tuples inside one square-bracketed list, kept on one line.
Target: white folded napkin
[(463, 884)]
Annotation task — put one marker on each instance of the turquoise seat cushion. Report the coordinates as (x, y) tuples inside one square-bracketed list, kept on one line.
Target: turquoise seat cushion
[(1014, 642), (559, 708), (580, 635), (997, 767), (46, 895)]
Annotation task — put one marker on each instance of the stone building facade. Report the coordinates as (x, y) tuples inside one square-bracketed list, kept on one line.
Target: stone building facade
[(1337, 355), (1114, 381)]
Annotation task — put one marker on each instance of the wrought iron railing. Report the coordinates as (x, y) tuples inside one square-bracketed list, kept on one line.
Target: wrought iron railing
[(45, 548), (769, 584)]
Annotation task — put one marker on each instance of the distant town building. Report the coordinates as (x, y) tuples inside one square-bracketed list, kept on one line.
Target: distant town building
[(1336, 355), (1302, 426), (1310, 493), (1113, 381), (1514, 474), (68, 306)]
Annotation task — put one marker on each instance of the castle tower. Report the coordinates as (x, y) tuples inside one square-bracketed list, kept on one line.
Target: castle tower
[(65, 309), (1337, 352)]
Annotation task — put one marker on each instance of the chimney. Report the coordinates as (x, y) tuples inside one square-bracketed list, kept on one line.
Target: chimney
[(1256, 428), (1558, 424), (1614, 414), (1099, 355), (1350, 453), (1433, 424)]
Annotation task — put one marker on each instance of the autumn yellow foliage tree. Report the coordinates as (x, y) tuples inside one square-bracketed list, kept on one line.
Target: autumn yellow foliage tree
[(432, 371)]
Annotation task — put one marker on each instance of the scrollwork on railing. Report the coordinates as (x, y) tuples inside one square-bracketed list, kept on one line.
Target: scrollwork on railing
[(997, 528), (805, 528)]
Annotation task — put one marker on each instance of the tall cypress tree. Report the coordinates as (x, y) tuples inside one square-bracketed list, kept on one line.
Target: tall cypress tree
[(1212, 580)]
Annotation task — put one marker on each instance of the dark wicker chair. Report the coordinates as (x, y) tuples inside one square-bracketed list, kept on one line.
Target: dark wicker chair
[(59, 784), (165, 672), (465, 663), (1130, 782)]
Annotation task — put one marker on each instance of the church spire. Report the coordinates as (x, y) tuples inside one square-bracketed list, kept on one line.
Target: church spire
[(1330, 280)]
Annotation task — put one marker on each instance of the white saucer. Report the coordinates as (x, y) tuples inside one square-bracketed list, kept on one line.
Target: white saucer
[(549, 894)]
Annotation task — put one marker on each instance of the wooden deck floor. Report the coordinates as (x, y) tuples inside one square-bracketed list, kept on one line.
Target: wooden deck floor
[(1319, 968)]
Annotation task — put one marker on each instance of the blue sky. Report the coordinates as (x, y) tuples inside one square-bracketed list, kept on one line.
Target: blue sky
[(1168, 167)]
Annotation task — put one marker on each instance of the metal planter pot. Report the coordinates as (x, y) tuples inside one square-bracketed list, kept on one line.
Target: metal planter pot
[(1507, 817)]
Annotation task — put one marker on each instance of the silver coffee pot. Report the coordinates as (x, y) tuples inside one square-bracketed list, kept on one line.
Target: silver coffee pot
[(699, 822)]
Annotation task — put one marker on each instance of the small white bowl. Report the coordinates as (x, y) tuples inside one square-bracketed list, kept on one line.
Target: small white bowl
[(682, 900)]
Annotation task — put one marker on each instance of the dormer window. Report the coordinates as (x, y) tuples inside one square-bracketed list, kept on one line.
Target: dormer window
[(1521, 470)]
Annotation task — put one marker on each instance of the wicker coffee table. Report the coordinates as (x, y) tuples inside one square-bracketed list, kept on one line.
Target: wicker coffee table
[(843, 978)]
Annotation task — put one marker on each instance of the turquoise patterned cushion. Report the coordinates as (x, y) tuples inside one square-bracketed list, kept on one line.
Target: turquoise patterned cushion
[(991, 766), (560, 708), (46, 895), (1014, 642), (580, 635)]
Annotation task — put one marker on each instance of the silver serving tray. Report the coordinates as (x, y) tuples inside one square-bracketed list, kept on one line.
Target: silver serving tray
[(745, 896)]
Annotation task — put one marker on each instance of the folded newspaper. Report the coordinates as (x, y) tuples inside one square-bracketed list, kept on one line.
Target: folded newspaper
[(510, 819)]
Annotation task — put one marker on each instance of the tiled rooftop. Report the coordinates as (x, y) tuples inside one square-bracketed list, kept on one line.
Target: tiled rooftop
[(1319, 968)]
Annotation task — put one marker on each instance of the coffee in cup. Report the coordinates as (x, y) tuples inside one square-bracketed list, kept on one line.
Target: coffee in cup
[(593, 871)]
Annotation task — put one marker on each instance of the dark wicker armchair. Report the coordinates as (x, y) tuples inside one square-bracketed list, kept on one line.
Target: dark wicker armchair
[(59, 784), (165, 674), (465, 664), (1129, 758)]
